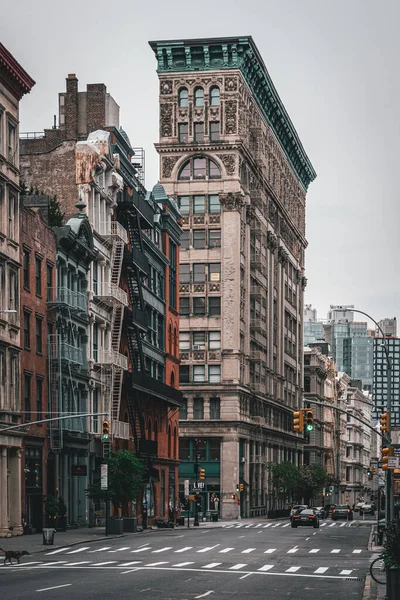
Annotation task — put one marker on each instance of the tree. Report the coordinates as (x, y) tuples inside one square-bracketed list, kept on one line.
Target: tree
[(51, 511), (283, 479), (56, 215), (126, 476), (312, 479)]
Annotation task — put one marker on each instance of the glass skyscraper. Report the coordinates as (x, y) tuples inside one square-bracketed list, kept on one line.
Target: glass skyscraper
[(379, 389)]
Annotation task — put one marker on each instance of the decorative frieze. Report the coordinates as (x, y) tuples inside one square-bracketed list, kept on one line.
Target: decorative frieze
[(168, 163), (166, 119), (272, 241), (231, 84), (230, 116), (283, 256), (165, 87), (304, 282), (231, 201), (229, 162)]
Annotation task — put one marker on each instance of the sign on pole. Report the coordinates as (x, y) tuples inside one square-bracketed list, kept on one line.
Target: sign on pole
[(186, 488), (393, 462), (104, 477)]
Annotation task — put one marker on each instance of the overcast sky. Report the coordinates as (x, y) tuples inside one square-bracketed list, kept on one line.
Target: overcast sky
[(335, 65)]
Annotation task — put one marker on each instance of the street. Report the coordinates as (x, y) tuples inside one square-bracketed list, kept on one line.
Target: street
[(237, 560)]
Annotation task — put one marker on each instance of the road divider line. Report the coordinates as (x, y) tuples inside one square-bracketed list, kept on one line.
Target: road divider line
[(156, 564), (248, 550), (225, 550), (335, 551), (55, 587), (129, 564), (142, 549), (346, 572), (314, 551)]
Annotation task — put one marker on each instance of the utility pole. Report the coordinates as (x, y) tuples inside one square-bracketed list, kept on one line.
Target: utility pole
[(196, 471)]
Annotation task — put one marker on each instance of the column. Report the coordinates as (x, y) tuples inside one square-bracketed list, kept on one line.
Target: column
[(4, 531), (15, 491)]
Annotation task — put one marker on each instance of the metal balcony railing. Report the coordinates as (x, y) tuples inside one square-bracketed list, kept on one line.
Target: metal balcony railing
[(71, 298), (121, 430), (110, 292), (113, 229), (69, 353), (112, 357)]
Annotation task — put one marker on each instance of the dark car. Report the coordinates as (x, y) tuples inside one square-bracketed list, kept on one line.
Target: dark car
[(296, 509), (305, 517), (342, 511), (319, 511)]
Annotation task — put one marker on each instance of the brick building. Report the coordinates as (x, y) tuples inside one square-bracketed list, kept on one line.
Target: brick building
[(38, 259), (14, 84)]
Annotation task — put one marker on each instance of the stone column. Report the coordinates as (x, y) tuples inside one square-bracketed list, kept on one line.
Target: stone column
[(4, 531), (15, 492)]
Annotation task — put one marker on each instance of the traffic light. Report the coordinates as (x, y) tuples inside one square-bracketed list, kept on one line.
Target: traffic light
[(237, 487), (298, 421), (106, 430), (202, 474), (386, 452), (385, 422), (309, 419), (373, 470), (369, 472), (233, 496), (241, 487)]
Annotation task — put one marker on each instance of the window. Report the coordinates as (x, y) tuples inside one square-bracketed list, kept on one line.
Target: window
[(214, 171), (27, 398), (183, 98), (199, 205), (183, 410), (215, 408), (49, 283), (184, 449), (214, 206), (199, 132), (198, 408), (184, 307), (172, 274), (160, 333), (184, 273), (38, 276), (95, 275), (25, 261), (12, 290), (214, 272), (184, 374), (214, 306), (39, 337), (199, 373), (199, 273), (214, 373), (183, 132), (348, 473), (214, 131), (214, 96), (185, 239), (214, 446), (214, 238), (39, 398), (12, 142), (199, 340), (214, 340), (184, 205), (12, 211), (184, 340), (185, 171), (199, 168), (199, 238), (27, 333), (95, 342), (199, 96), (95, 410), (199, 306)]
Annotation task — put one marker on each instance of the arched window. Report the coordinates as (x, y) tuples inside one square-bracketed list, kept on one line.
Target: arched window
[(214, 96), (172, 379), (183, 98), (170, 338), (199, 168), (156, 430), (199, 96)]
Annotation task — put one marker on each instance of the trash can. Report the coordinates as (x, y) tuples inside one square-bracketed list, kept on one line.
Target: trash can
[(214, 517), (48, 536)]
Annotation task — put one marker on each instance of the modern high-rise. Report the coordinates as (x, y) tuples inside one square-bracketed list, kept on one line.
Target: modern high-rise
[(313, 327), (232, 157), (380, 381)]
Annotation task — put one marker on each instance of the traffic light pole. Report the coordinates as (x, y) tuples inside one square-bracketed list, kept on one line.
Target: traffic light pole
[(196, 470), (388, 481)]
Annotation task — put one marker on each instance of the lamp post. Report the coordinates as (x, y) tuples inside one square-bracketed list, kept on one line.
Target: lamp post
[(388, 490)]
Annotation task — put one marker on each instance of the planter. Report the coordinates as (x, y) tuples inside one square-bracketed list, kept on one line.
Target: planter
[(115, 526), (130, 524), (393, 583)]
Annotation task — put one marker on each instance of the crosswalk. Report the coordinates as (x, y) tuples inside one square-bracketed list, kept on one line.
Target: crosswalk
[(323, 571), (281, 524)]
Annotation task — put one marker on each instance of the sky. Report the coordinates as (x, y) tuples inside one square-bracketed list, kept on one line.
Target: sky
[(335, 66)]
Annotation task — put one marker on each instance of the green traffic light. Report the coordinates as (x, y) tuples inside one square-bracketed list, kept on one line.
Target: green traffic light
[(309, 427)]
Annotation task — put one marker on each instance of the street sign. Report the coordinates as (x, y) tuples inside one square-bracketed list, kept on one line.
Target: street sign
[(186, 488), (192, 497), (393, 462), (104, 477)]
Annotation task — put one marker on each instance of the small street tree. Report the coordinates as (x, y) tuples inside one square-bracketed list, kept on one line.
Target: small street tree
[(126, 476), (283, 479), (311, 480)]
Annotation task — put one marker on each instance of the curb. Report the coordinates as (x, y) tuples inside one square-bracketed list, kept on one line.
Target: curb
[(368, 593)]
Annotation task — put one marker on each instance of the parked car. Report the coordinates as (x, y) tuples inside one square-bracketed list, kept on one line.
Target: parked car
[(342, 511), (305, 517), (296, 508), (319, 511), (367, 509), (358, 506)]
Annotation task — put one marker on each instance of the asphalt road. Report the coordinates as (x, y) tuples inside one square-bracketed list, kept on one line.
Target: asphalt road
[(252, 561)]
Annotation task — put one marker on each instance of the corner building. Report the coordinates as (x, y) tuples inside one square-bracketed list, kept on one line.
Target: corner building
[(230, 154)]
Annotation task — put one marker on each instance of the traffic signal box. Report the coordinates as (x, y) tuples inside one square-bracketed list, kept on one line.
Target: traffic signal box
[(385, 422), (202, 474), (309, 419), (298, 421), (386, 453), (106, 431), (241, 487)]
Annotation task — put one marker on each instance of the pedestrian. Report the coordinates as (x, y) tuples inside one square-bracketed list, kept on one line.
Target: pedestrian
[(216, 503)]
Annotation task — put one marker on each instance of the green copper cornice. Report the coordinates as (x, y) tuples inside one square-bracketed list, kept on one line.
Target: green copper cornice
[(212, 54)]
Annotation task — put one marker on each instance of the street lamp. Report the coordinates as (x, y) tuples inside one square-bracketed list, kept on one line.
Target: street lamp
[(388, 495)]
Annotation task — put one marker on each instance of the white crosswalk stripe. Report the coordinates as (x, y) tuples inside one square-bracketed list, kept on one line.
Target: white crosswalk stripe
[(259, 525), (82, 562), (57, 551), (292, 550), (156, 564), (129, 564), (100, 549), (183, 549), (265, 568), (287, 525), (120, 549), (225, 550), (335, 551), (78, 550), (207, 549), (332, 525), (211, 565), (184, 564), (321, 570), (346, 572), (357, 551), (238, 566), (141, 549), (267, 525), (248, 550), (343, 525), (314, 551), (270, 551), (106, 562), (323, 524), (292, 569), (162, 550), (51, 564)]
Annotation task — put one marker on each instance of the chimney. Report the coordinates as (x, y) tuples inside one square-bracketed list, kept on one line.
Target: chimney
[(95, 106), (71, 107)]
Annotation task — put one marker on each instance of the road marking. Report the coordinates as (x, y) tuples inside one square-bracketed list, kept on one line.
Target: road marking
[(56, 587), (57, 551), (321, 569), (57, 562), (292, 550), (292, 569), (99, 549), (346, 572), (204, 595), (266, 568), (357, 551), (270, 551), (107, 562), (277, 525), (259, 525), (211, 565), (247, 526), (120, 549), (162, 550), (184, 564), (79, 550), (130, 571), (225, 550), (248, 550), (156, 564), (133, 562), (332, 525), (82, 562), (34, 562), (184, 549), (143, 545), (307, 539), (343, 524), (208, 548), (287, 525), (314, 551), (247, 575), (238, 566), (324, 524), (142, 549), (268, 525), (335, 551)]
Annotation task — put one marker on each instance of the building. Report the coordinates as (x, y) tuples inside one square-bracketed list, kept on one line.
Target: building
[(388, 327), (313, 327), (14, 84), (380, 382), (38, 259), (315, 373), (230, 154)]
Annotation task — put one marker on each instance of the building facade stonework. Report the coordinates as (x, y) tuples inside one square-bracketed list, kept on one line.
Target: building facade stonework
[(232, 158)]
